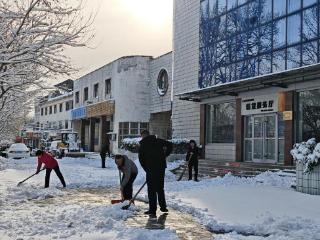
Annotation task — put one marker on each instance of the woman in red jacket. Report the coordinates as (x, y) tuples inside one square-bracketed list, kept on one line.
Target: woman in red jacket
[(49, 164)]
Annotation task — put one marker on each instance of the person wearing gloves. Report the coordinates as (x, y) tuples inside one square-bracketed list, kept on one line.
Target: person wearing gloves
[(130, 172)]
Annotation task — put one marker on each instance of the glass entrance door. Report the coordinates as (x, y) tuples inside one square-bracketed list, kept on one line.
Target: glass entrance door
[(261, 138)]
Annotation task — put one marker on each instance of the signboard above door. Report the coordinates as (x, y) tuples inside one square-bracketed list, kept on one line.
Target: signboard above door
[(259, 105)]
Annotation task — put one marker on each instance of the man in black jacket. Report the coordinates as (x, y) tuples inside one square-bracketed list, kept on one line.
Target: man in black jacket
[(152, 156)]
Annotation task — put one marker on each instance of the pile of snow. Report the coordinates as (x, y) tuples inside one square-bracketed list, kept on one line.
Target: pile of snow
[(25, 193), (307, 153), (3, 163), (261, 206)]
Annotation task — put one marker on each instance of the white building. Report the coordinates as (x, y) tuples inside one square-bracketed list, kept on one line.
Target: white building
[(53, 112), (121, 99)]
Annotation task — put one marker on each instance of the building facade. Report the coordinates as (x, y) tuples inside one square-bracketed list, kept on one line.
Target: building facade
[(53, 112), (246, 77), (121, 99)]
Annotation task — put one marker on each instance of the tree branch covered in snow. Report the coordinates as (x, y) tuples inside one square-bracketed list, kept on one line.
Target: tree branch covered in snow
[(33, 37)]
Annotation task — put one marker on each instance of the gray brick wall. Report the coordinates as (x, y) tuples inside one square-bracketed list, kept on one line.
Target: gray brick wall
[(186, 115)]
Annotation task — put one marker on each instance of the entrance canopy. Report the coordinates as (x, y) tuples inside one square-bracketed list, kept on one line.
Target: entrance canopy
[(281, 79)]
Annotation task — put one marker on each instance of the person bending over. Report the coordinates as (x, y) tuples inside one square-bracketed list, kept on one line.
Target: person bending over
[(130, 172), (50, 163)]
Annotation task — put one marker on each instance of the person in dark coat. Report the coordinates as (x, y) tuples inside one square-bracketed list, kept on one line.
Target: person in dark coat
[(105, 149), (130, 172), (152, 156), (193, 159)]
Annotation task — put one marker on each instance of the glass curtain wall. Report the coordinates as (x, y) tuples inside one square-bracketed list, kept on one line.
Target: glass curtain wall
[(240, 39)]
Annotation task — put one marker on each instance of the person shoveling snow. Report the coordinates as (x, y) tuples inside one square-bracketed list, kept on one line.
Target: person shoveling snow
[(130, 172), (50, 163)]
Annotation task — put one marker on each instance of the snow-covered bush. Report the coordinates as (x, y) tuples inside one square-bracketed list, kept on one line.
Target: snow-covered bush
[(132, 144), (307, 153)]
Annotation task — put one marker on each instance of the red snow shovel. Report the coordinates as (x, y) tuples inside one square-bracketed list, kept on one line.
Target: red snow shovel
[(126, 207), (116, 201), (29, 177)]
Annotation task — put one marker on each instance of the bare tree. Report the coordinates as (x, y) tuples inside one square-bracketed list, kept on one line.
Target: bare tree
[(33, 37)]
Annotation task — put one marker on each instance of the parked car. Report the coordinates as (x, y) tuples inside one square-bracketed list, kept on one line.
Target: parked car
[(18, 150)]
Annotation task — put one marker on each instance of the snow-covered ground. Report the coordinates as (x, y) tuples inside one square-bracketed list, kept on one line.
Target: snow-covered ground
[(264, 207)]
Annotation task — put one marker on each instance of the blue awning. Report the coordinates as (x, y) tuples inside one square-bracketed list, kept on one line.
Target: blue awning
[(79, 113)]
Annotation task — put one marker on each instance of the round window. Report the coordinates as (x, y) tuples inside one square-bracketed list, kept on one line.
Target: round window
[(163, 82)]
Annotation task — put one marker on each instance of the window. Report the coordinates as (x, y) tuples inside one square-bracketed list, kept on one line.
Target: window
[(265, 64), (310, 53), (69, 105), (66, 124), (310, 24), (131, 129), (293, 5), (256, 37), (279, 61), (307, 3), (85, 94), (280, 33), (294, 29), (96, 90), (77, 97), (55, 109), (134, 128), (220, 123), (46, 111), (108, 86), (240, 2), (308, 115), (61, 107), (41, 111), (231, 23), (266, 9), (279, 8), (50, 110), (222, 6), (163, 82), (265, 38), (232, 4), (293, 57)]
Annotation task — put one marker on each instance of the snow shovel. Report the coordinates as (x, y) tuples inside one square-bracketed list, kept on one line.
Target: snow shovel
[(29, 177), (117, 200), (126, 207), (185, 168)]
